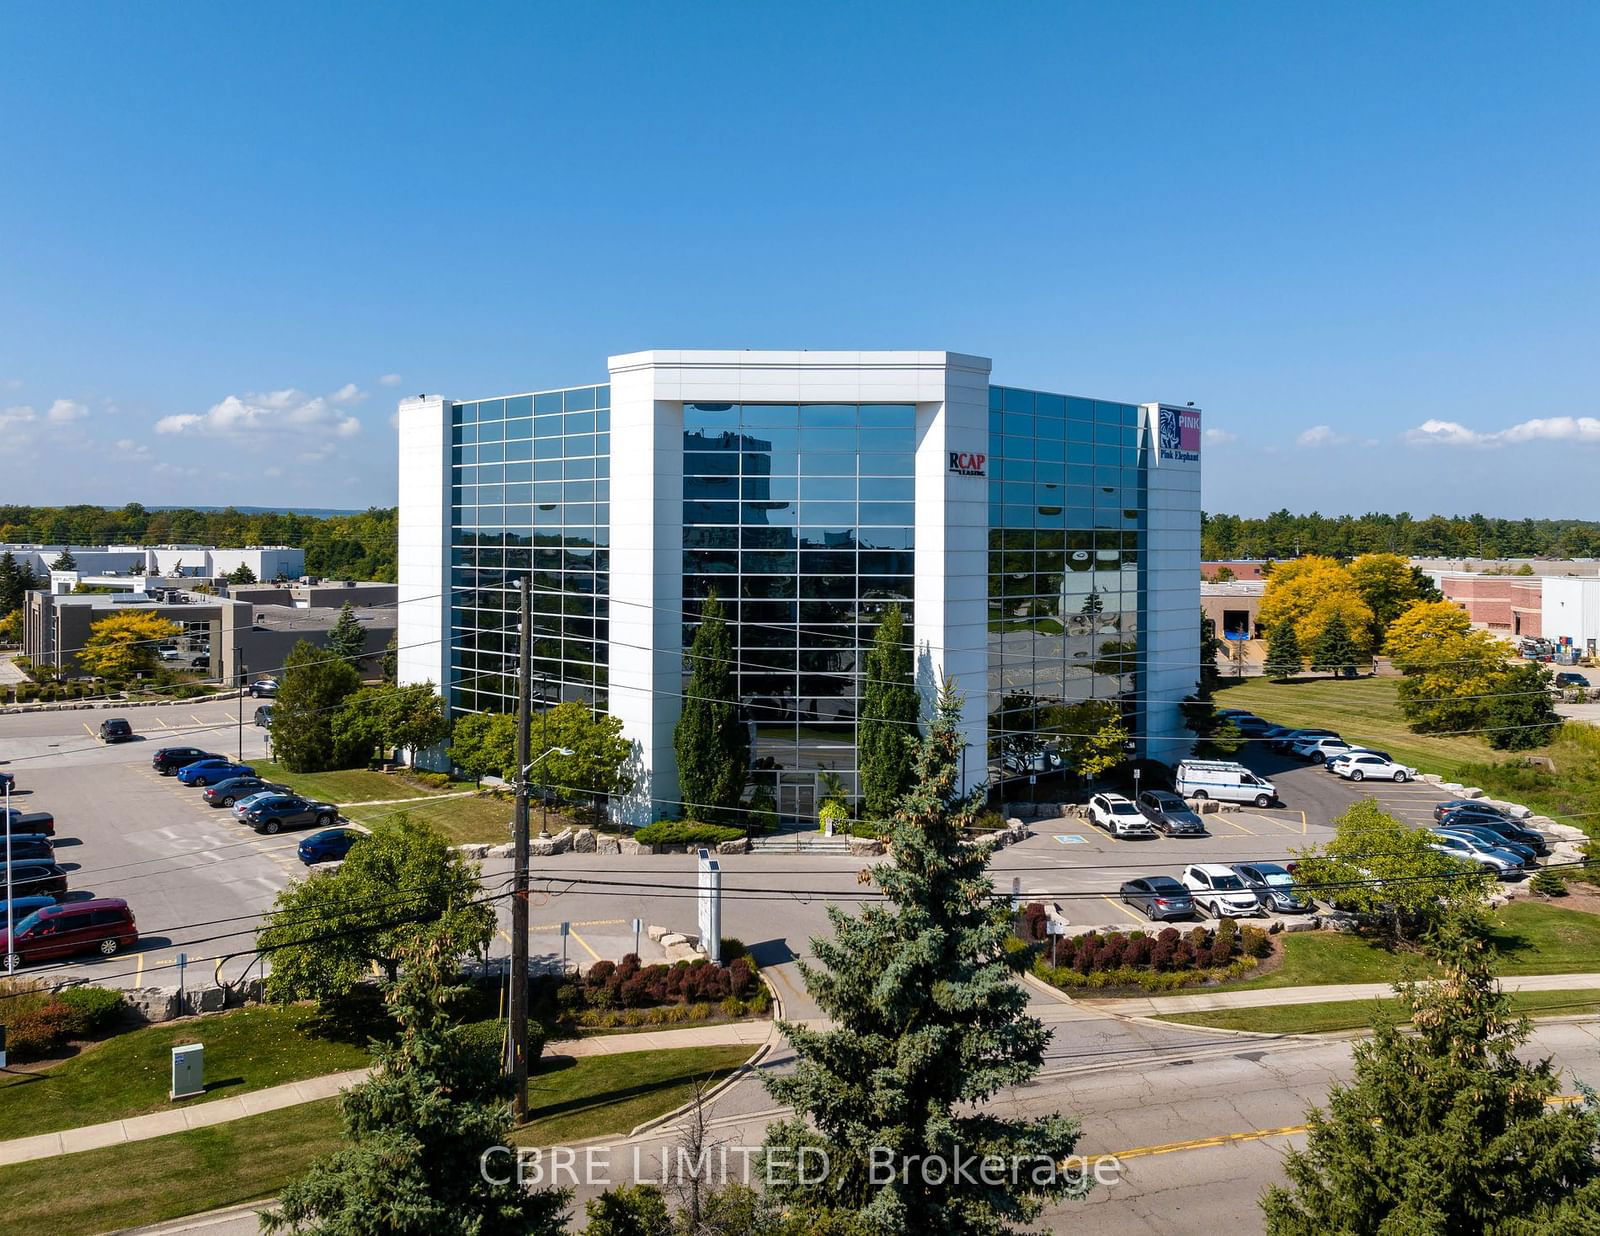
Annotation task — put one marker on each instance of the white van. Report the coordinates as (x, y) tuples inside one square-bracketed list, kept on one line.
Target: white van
[(1224, 780)]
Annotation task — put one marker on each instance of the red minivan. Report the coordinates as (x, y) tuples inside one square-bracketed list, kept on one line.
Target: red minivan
[(104, 925)]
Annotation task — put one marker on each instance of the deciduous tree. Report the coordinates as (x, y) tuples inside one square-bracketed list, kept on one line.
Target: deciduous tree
[(928, 1023), (887, 731), (1308, 593), (597, 765), (1092, 734), (125, 644), (1451, 671), (1520, 714), (1388, 587), (311, 687), (484, 744), (711, 741)]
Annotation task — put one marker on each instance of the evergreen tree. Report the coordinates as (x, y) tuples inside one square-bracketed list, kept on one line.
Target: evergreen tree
[(928, 1023), (391, 660), (10, 583), (1284, 658), (1444, 1128), (65, 561), (310, 689), (711, 742), (242, 574), (1334, 652), (416, 1132), (1210, 648), (887, 733), (347, 639)]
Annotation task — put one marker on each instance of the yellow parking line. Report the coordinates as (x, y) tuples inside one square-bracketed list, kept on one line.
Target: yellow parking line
[(1236, 824), (505, 935), (86, 728), (1119, 907), (584, 943), (199, 720), (138, 969)]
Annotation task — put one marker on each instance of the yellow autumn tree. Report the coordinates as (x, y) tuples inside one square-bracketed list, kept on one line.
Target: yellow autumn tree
[(1307, 593), (125, 644), (1451, 671)]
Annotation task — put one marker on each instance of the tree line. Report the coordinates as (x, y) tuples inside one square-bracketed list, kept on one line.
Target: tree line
[(1286, 535), (361, 546)]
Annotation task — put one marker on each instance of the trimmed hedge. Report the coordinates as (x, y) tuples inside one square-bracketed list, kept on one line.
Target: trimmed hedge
[(94, 1009), (1162, 962), (686, 832)]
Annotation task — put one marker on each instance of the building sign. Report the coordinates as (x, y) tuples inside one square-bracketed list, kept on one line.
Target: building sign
[(965, 463), (1179, 437)]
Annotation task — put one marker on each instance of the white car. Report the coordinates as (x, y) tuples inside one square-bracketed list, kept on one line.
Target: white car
[(1220, 891), (1332, 766), (1360, 766), (1501, 863), (1319, 749), (1119, 816)]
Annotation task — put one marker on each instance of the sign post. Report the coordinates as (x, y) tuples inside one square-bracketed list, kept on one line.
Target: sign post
[(637, 924), (1056, 931), (710, 906), (566, 929)]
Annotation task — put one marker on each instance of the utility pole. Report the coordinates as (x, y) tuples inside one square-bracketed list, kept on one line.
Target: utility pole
[(519, 895), (238, 673)]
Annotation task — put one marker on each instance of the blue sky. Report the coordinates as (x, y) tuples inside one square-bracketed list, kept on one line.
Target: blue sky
[(1362, 239)]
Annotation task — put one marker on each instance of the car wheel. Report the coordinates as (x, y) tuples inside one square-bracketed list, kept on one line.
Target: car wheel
[(109, 947), (200, 782), (1357, 775), (270, 827), (13, 961), (324, 820), (1317, 757), (228, 801), (1401, 777), (1201, 795), (1263, 800), (1490, 869)]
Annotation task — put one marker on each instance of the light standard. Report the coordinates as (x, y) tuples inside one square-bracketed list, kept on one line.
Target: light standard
[(544, 820)]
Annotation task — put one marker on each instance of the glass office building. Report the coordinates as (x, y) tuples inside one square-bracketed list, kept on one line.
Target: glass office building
[(1043, 549)]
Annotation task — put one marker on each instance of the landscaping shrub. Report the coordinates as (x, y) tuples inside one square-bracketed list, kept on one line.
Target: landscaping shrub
[(834, 813), (686, 832), (1223, 938), (1256, 942), (873, 830), (1548, 883), (1033, 920), (35, 1030), (94, 1009)]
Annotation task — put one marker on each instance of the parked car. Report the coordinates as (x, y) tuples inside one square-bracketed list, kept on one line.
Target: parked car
[(1170, 814), (1567, 679), (1234, 712), (1509, 829), (1219, 891), (1499, 863), (27, 845), (242, 807), (20, 907), (1319, 749), (169, 759), (1334, 761), (1273, 886), (1369, 764), (1286, 740), (1472, 806), (264, 688), (169, 654), (1118, 816), (264, 716), (1492, 839), (103, 925), (1224, 780), (15, 820), (226, 793), (329, 845), (33, 875), (1252, 727), (277, 812), (1158, 897), (115, 729), (210, 771)]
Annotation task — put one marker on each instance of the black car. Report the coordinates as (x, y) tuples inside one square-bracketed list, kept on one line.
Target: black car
[(1569, 680), (226, 793), (1472, 805), (26, 845), (264, 688), (281, 811), (168, 760), (31, 876), (1158, 897), (8, 781), (1518, 834), (115, 729), (1286, 740), (1170, 814), (1273, 887)]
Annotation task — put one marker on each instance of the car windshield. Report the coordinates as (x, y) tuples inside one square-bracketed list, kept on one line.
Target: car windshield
[(1124, 809), (1227, 883), (1165, 885), (1278, 879), (26, 924)]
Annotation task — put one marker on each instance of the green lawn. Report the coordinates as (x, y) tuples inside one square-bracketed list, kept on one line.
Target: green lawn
[(1530, 937), (129, 1075), (347, 785), (226, 1164), (459, 819), (1358, 1014)]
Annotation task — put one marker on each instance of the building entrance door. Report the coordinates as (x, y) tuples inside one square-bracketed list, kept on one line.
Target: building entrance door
[(797, 796)]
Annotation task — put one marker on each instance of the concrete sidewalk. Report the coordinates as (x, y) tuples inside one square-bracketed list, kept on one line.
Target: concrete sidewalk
[(195, 1115), (1204, 1002)]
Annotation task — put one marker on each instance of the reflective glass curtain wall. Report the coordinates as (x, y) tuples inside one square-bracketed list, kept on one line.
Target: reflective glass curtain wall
[(1066, 543), (800, 517), (530, 494)]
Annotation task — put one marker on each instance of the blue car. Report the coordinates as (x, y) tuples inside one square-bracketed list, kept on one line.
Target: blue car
[(209, 772), (21, 907), (329, 845)]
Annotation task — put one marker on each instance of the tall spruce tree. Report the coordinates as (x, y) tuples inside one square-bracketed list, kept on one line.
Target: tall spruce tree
[(887, 732), (1284, 658), (347, 639), (710, 740), (1333, 651), (929, 1022), (1445, 1128), (64, 560), (10, 584), (418, 1130)]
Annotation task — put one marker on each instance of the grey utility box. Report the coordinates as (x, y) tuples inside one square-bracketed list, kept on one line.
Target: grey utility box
[(188, 1070)]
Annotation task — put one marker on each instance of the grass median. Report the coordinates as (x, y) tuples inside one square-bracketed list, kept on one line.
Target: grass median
[(1334, 1015), (227, 1164)]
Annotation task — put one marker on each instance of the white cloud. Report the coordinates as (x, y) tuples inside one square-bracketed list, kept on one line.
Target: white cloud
[(127, 448), (18, 415), (1321, 435), (64, 410), (287, 411), (1435, 432), (1220, 437), (12, 384), (389, 379)]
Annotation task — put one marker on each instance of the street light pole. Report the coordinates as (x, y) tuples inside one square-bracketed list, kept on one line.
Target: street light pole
[(238, 675), (11, 927), (519, 886)]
